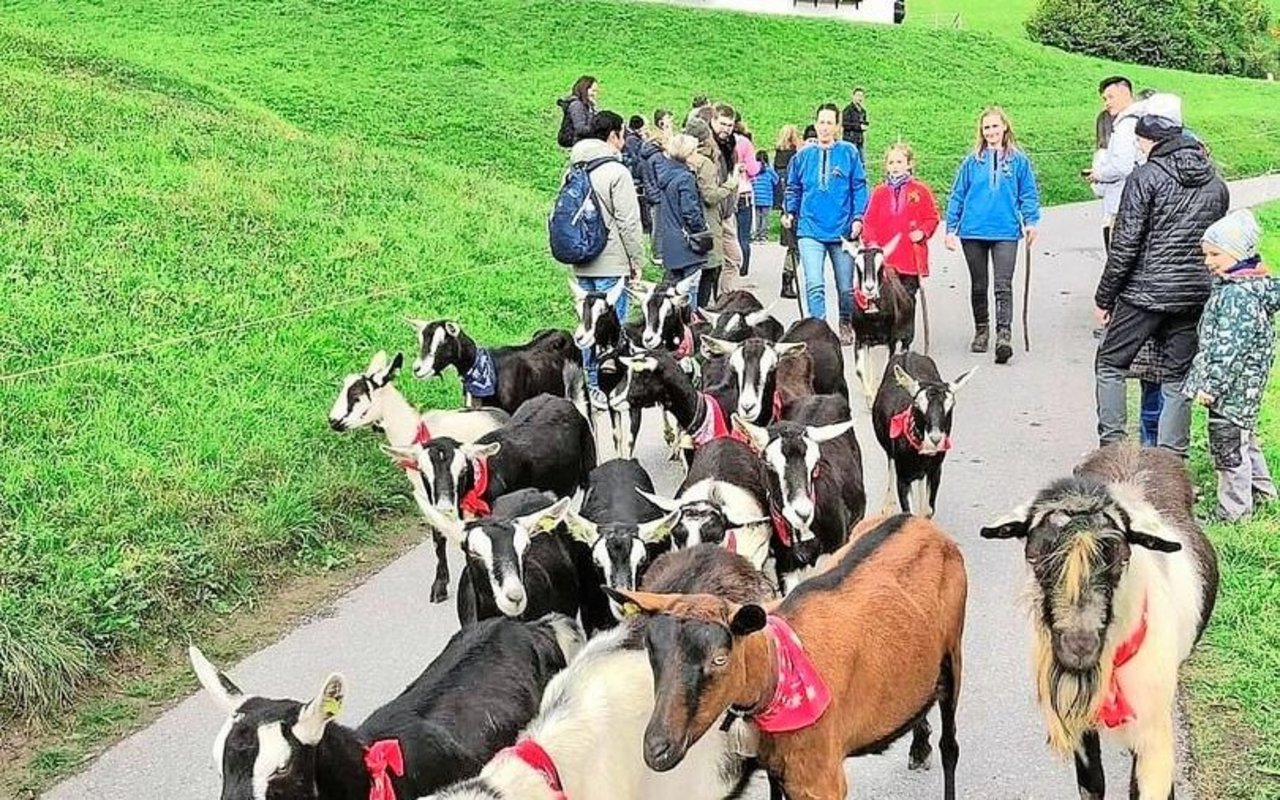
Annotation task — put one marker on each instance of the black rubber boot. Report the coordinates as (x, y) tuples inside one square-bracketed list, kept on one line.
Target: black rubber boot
[(981, 340), (1004, 346)]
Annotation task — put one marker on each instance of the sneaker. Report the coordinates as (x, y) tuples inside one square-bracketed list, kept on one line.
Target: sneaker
[(981, 340), (1004, 346), (599, 400), (846, 332)]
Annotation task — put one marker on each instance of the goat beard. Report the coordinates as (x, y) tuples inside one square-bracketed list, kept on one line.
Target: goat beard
[(1069, 699)]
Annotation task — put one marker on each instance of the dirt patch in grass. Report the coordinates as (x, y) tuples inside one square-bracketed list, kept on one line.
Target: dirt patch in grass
[(136, 687)]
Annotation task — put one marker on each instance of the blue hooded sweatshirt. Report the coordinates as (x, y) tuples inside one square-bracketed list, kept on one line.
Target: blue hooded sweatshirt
[(993, 196), (826, 191)]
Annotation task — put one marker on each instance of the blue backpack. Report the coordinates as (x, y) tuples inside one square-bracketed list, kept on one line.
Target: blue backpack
[(576, 226)]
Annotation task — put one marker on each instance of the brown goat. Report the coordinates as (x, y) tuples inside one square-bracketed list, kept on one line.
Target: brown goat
[(793, 380), (881, 626)]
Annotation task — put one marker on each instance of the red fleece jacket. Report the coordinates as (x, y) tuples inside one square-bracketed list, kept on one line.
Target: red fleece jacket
[(913, 209)]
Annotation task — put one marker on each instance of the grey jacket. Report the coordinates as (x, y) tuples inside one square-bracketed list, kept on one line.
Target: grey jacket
[(617, 192)]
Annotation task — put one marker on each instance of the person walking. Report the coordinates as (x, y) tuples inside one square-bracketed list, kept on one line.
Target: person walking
[(1232, 367), (902, 213), (994, 203), (764, 191), (1154, 285), (623, 252), (633, 140), (579, 111), (652, 153), (722, 126), (789, 142), (715, 186), (686, 238), (854, 120), (744, 151), (1118, 154), (826, 197)]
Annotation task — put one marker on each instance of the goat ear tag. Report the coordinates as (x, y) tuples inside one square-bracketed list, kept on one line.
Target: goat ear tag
[(331, 706), (630, 610)]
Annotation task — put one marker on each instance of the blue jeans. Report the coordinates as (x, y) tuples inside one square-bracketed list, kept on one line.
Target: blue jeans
[(676, 275), (600, 285), (813, 256), (746, 222), (1152, 404)]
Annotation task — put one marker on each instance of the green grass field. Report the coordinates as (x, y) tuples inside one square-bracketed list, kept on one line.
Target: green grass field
[(306, 174), (1234, 694)]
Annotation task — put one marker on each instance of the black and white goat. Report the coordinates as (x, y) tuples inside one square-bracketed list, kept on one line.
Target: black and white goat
[(666, 311), (752, 367), (623, 530), (547, 445), (1123, 582), (602, 334), (441, 729), (912, 420), (884, 313), (724, 500), (816, 492), (587, 741), (520, 562), (371, 398), (503, 377), (738, 326)]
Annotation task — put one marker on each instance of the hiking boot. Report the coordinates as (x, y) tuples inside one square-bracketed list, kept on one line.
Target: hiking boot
[(1004, 346), (846, 332), (981, 340)]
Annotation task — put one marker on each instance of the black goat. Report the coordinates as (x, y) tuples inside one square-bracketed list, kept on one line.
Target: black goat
[(724, 500), (667, 316), (520, 562), (884, 313), (738, 326), (502, 377), (445, 725), (912, 420), (816, 491), (547, 445), (622, 529)]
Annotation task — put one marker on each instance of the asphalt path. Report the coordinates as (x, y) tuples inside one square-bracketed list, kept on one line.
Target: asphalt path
[(1017, 426)]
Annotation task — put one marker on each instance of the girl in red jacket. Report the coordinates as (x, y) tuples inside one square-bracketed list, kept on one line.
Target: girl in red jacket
[(903, 208)]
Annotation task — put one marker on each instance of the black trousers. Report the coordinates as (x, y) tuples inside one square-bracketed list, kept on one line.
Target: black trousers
[(1130, 328), (1003, 257)]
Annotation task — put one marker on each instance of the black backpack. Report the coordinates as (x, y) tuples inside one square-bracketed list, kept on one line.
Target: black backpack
[(565, 137)]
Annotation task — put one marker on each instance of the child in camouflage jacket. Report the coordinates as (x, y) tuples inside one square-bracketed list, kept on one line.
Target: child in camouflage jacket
[(1230, 371)]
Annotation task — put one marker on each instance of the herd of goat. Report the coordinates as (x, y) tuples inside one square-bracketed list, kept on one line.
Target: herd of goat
[(616, 643)]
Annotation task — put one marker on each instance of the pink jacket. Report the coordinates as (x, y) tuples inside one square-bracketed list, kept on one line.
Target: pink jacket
[(746, 153)]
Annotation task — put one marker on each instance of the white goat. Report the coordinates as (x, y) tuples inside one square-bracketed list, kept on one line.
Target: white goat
[(591, 724), (1123, 583), (371, 398)]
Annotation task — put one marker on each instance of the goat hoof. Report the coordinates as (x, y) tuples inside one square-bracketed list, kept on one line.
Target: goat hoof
[(439, 592), (920, 762)]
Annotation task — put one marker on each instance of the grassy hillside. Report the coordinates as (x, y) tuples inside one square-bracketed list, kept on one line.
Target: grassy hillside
[(1235, 698), (241, 202)]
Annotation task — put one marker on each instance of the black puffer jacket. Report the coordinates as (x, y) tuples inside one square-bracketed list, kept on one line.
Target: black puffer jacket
[(1168, 203)]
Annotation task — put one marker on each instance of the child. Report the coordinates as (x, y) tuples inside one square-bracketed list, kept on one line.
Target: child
[(902, 208), (1230, 371), (764, 187)]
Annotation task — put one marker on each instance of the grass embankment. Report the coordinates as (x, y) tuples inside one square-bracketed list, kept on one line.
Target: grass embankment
[(307, 174), (1234, 693)]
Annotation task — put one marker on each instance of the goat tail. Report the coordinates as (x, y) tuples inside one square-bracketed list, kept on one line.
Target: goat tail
[(568, 634)]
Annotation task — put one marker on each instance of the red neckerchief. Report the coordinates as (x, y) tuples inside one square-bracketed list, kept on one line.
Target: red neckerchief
[(686, 344), (902, 426), (731, 540), (537, 759), (777, 406), (781, 528), (801, 696), (713, 422), (473, 501), (860, 299), (380, 757), (1115, 710), (423, 437)]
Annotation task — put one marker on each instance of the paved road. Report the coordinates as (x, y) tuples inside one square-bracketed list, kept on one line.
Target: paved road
[(1017, 427)]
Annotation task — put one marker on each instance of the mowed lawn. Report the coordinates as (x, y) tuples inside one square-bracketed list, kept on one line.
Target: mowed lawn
[(1234, 685), (211, 211)]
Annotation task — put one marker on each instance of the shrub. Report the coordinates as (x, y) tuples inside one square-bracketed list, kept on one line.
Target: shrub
[(1216, 36)]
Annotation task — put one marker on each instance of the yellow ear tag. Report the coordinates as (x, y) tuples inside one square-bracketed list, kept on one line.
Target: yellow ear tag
[(331, 706), (630, 610)]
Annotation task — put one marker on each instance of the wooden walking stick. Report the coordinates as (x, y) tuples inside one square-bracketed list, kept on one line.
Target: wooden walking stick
[(924, 312), (1026, 301)]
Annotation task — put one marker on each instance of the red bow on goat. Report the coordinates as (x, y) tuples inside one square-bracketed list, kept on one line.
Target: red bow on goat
[(423, 437), (378, 759), (902, 426), (1115, 710), (860, 299), (801, 696), (473, 501), (537, 759)]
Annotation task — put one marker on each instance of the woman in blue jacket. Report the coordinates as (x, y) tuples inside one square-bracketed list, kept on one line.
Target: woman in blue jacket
[(826, 196), (682, 218), (994, 203)]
